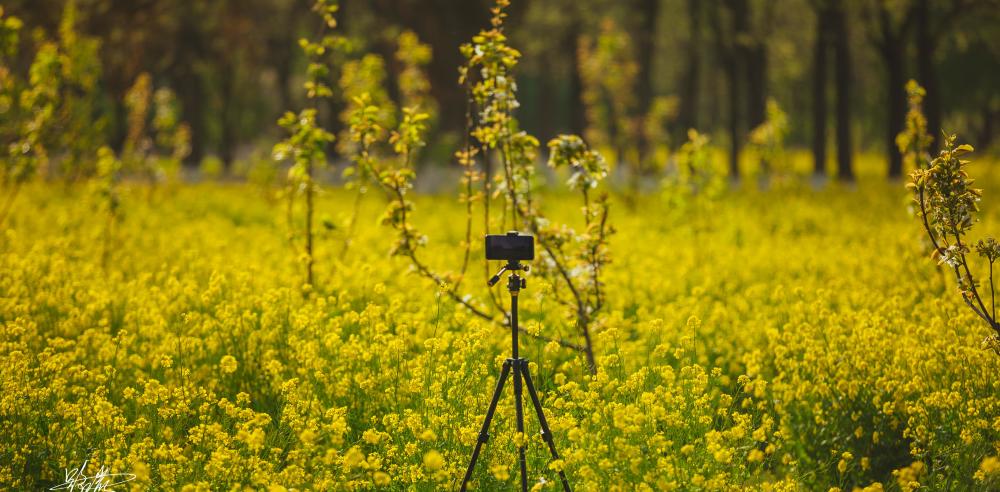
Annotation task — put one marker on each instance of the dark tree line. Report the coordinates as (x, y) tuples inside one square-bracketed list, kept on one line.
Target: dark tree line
[(835, 65), (724, 68)]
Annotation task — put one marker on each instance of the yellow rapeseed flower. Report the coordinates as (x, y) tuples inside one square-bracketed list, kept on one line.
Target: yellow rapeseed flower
[(228, 364), (433, 460), (988, 468)]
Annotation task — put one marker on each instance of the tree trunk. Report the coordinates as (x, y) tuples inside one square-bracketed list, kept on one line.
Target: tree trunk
[(283, 54), (650, 10), (844, 82), (753, 52), (819, 93), (688, 114), (756, 69), (190, 87), (227, 119), (927, 73), (577, 118), (192, 96), (896, 93), (645, 49), (733, 86), (892, 49), (735, 69)]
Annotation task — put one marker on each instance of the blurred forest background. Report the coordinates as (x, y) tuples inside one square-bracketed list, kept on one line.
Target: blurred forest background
[(836, 68)]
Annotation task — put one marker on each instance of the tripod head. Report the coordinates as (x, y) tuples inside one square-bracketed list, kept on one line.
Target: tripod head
[(513, 247), (515, 282)]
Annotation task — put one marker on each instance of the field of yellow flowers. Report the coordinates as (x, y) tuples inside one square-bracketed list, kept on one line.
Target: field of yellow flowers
[(791, 339)]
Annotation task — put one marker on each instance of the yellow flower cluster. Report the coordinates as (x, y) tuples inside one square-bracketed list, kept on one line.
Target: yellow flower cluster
[(794, 340)]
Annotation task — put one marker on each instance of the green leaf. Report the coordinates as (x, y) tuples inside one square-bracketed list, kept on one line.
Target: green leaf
[(963, 149)]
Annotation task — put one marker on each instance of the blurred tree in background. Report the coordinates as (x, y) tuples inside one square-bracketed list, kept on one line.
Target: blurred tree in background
[(235, 67)]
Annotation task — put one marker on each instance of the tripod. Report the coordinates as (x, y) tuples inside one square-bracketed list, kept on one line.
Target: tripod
[(520, 369)]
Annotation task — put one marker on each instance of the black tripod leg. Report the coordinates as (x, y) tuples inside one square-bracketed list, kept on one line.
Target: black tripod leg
[(518, 371), (544, 424), (484, 432)]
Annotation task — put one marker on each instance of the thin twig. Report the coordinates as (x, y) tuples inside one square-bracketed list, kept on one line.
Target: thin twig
[(353, 221), (937, 248), (993, 297), (597, 264), (965, 264), (469, 175)]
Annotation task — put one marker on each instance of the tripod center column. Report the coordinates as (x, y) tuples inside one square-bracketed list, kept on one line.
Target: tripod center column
[(514, 286)]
